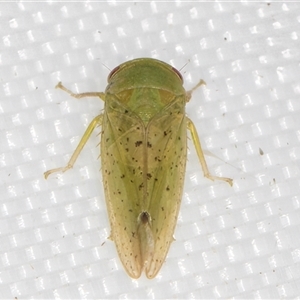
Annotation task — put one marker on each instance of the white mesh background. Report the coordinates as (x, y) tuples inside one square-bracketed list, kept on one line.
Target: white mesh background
[(239, 242)]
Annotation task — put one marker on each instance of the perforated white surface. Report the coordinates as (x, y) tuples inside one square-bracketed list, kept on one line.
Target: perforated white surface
[(239, 242)]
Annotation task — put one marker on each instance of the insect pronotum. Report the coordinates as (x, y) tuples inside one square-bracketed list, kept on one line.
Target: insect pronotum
[(143, 157)]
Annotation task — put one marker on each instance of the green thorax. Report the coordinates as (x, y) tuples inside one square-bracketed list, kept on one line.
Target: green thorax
[(145, 86)]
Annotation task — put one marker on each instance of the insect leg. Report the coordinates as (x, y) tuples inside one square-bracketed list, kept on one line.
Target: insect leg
[(101, 95), (97, 121), (197, 144), (189, 93)]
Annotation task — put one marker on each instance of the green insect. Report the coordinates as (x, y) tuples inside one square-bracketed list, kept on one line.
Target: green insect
[(143, 157)]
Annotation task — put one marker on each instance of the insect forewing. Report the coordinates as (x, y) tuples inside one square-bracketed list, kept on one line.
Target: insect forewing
[(166, 166), (122, 181)]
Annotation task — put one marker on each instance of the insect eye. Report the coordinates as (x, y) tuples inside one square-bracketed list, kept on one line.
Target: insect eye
[(113, 72), (178, 73)]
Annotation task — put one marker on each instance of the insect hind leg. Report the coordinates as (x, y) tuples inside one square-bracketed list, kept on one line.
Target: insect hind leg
[(197, 144)]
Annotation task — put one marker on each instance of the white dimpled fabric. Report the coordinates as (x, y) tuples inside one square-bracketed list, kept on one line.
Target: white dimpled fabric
[(230, 242)]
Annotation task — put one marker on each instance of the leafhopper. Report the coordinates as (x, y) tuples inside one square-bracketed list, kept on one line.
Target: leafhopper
[(143, 157)]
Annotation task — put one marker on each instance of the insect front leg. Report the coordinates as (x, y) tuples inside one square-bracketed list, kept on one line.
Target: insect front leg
[(197, 144), (97, 121), (101, 95), (190, 92)]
